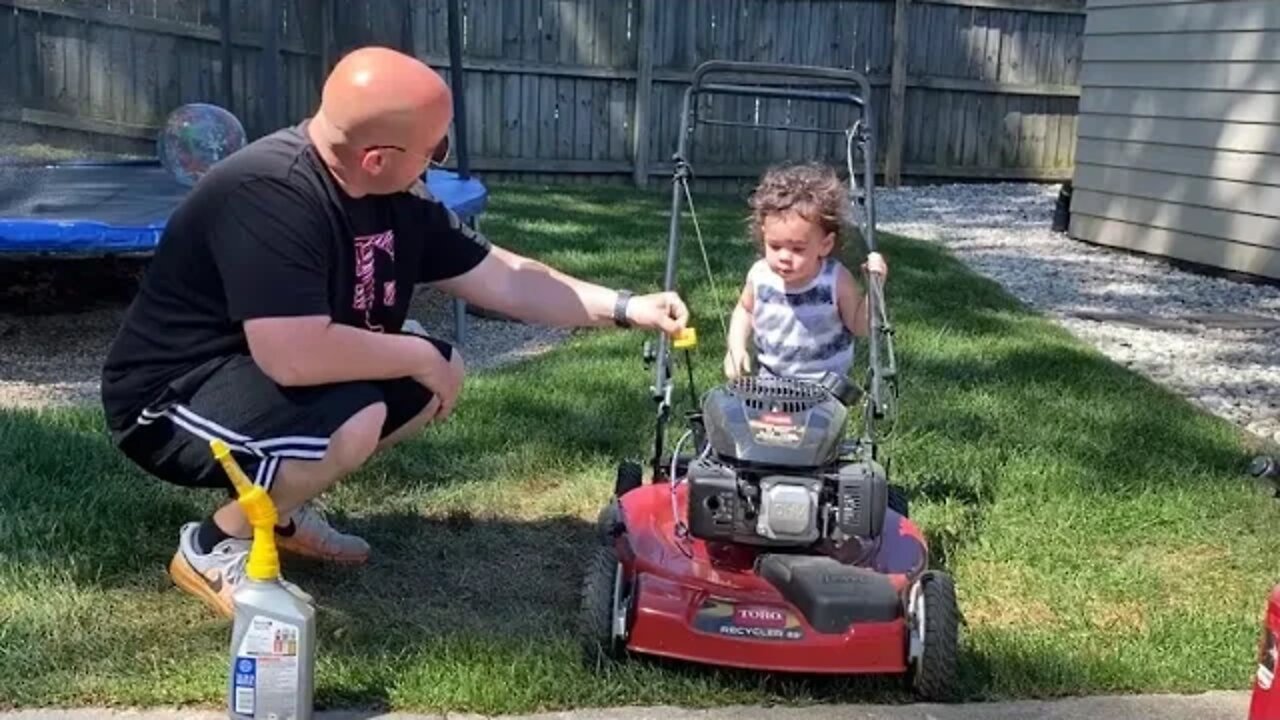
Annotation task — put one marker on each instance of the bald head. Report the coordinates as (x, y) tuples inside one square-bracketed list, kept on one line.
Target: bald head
[(377, 97)]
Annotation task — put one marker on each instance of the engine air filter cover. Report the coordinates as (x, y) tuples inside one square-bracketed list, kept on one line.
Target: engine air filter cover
[(774, 421)]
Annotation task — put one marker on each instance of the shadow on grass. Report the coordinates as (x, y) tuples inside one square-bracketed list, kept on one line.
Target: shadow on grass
[(442, 604), (450, 602)]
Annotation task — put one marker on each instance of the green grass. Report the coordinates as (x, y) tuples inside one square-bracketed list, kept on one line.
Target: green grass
[(1101, 531)]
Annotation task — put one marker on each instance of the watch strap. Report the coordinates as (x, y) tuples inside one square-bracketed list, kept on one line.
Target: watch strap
[(620, 309)]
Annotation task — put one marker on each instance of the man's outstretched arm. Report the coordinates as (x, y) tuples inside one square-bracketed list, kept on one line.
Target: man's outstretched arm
[(534, 292)]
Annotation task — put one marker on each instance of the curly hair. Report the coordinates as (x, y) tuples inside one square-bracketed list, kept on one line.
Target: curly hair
[(813, 190)]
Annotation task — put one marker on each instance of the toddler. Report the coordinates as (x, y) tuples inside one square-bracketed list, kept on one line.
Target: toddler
[(800, 305)]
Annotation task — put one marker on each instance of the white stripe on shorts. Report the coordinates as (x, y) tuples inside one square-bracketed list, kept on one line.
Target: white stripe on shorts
[(269, 451)]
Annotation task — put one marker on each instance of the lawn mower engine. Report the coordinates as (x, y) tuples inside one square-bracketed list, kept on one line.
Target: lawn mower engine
[(774, 474)]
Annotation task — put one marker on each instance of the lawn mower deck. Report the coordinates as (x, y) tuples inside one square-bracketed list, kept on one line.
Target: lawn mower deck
[(735, 606)]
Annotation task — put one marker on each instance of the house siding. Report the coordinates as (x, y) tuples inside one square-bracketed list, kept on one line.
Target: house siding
[(1178, 149)]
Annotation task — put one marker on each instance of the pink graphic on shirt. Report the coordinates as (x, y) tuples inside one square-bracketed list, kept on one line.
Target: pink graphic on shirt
[(366, 289)]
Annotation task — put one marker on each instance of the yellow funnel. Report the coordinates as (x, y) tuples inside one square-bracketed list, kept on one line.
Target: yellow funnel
[(264, 559)]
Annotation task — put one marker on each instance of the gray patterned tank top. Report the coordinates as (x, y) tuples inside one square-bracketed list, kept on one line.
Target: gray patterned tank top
[(798, 333)]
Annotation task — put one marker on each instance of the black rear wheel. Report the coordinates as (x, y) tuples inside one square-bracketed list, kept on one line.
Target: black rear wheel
[(933, 674), (603, 598), (630, 476)]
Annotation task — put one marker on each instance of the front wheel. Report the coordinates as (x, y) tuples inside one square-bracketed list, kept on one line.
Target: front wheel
[(603, 610), (933, 624)]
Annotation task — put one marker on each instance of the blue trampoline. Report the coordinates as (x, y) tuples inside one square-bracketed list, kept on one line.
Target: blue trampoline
[(120, 208)]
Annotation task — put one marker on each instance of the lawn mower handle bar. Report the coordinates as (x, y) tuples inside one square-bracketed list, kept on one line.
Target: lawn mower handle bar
[(859, 94), (812, 72), (699, 84)]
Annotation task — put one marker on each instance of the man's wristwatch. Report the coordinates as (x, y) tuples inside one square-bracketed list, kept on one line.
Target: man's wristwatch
[(620, 309)]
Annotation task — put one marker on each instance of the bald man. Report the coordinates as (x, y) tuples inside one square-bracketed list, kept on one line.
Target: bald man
[(271, 314)]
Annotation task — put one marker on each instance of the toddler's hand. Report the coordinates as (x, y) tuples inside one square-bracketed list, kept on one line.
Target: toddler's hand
[(875, 264), (736, 364)]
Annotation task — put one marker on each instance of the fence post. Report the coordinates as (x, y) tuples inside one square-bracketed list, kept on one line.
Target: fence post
[(327, 40), (271, 111), (228, 92), (644, 92), (691, 35), (897, 96)]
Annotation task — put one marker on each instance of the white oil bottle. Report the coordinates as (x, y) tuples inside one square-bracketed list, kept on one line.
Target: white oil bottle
[(273, 634)]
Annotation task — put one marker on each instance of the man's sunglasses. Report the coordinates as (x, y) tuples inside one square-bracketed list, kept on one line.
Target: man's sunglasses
[(438, 156)]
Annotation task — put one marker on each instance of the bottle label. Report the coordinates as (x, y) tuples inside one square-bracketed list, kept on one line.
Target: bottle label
[(242, 702), (267, 668)]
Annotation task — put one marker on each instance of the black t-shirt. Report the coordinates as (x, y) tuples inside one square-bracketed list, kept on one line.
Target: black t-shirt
[(269, 233)]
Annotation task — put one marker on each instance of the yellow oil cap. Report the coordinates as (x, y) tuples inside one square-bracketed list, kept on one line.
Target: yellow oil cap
[(686, 338)]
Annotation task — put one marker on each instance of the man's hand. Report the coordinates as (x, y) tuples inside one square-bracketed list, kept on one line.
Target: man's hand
[(663, 311), (444, 379)]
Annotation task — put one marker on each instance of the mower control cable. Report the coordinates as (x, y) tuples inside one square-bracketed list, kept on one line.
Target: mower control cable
[(683, 172), (697, 229)]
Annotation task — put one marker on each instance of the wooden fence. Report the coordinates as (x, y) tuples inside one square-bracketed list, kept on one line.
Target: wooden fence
[(579, 89)]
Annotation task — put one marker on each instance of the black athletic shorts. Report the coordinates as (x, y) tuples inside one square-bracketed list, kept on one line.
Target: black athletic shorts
[(262, 422)]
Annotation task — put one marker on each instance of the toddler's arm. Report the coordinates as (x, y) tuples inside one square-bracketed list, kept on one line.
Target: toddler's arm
[(854, 309), (737, 361)]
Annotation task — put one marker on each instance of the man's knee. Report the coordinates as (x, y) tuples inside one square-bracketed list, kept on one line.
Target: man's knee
[(355, 442), (414, 425)]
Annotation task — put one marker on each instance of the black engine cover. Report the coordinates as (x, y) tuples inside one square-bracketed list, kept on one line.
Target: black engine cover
[(830, 594), (715, 510), (774, 422), (861, 498)]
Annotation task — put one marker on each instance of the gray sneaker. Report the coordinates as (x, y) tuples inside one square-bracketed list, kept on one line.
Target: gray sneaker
[(314, 537), (214, 576)]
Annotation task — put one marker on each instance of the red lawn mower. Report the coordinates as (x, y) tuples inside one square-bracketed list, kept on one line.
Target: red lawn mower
[(775, 542), (1264, 702)]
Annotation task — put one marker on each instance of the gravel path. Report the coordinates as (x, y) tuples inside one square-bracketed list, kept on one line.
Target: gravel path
[(57, 321), (1214, 341)]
